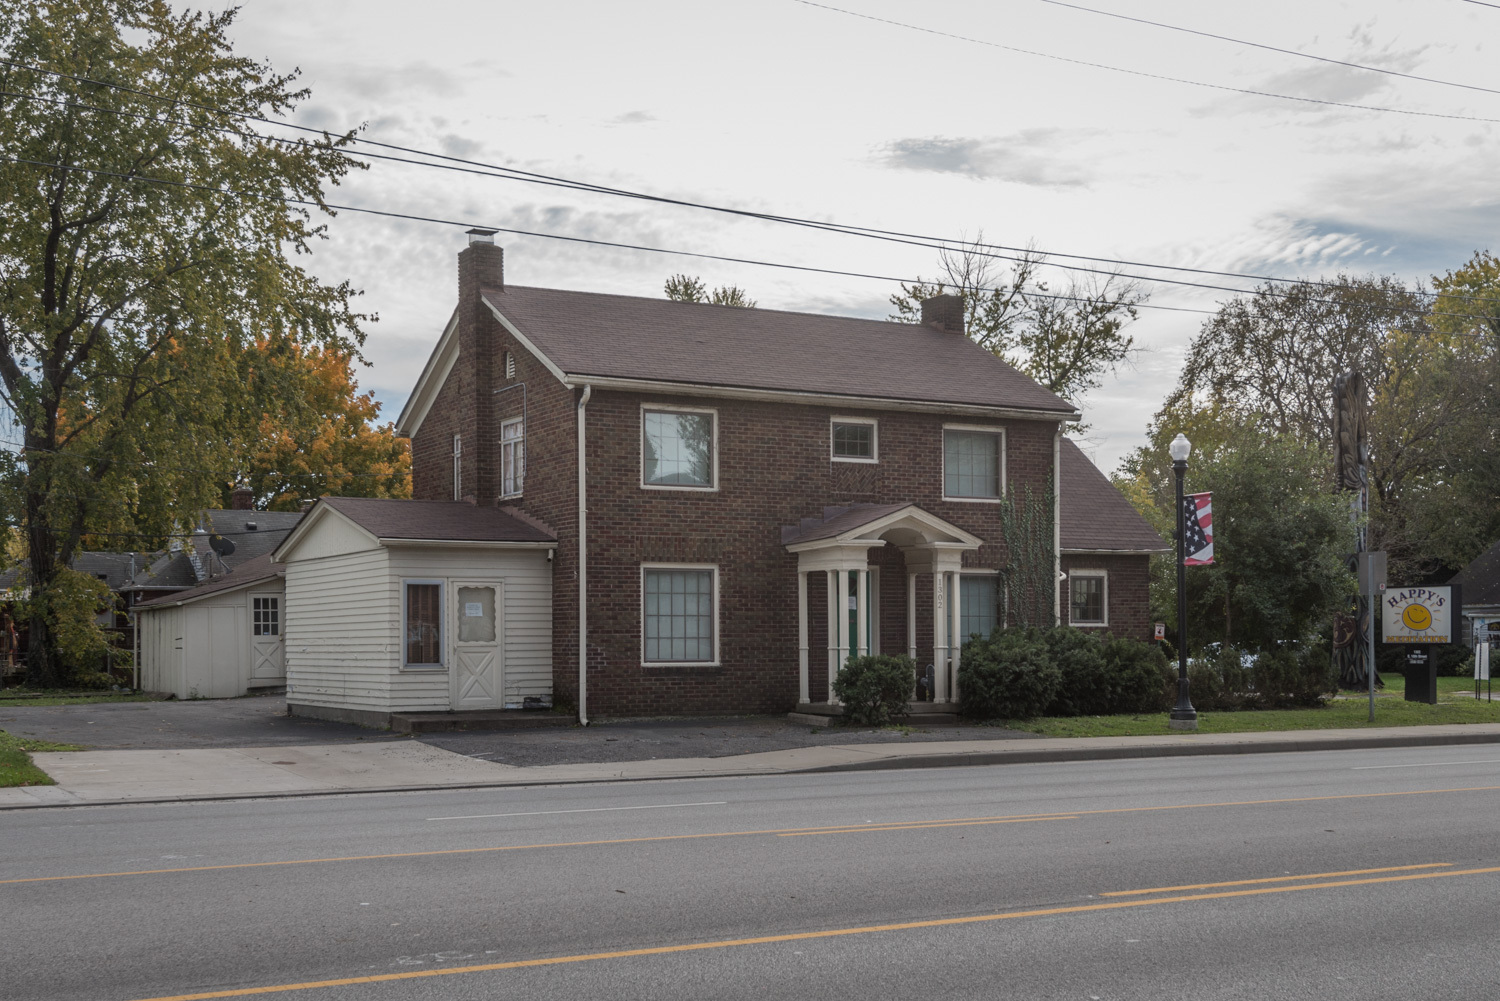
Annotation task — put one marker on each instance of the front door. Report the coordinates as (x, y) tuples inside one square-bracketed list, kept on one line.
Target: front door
[(478, 673), (267, 650)]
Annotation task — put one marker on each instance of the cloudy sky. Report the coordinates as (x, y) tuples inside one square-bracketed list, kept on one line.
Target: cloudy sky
[(1013, 128)]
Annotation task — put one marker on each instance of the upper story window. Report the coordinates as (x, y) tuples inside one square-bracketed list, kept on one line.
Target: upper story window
[(458, 467), (973, 463), (679, 449), (512, 457), (855, 440), (1088, 594)]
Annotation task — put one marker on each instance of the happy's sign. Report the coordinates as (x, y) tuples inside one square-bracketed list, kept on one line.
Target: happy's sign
[(1418, 615)]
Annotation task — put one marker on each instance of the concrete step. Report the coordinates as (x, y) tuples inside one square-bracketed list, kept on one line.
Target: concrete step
[(477, 719)]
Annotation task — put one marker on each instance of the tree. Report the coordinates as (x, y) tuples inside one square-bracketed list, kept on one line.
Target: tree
[(690, 288), (1066, 340), (150, 242), (327, 443)]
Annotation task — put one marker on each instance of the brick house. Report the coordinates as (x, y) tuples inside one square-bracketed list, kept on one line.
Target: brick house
[(756, 494)]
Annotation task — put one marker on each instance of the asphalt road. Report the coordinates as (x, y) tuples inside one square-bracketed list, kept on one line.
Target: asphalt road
[(998, 882)]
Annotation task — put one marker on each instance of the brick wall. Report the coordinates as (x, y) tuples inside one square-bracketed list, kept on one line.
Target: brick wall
[(1128, 592)]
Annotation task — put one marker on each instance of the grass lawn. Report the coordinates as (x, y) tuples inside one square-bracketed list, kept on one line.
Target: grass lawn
[(1338, 714), (1396, 684), (63, 697), (16, 768)]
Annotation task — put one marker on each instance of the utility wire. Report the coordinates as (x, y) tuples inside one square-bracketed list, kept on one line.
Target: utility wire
[(1271, 48), (1481, 3), (1140, 73), (678, 253), (510, 173)]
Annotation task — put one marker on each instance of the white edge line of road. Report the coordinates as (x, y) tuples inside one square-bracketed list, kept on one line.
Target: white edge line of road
[(592, 809), (1429, 764)]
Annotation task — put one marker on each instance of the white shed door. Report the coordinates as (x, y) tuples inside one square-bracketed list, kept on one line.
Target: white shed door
[(477, 675), (267, 650)]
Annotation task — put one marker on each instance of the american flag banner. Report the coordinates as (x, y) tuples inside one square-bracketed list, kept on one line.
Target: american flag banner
[(1198, 527)]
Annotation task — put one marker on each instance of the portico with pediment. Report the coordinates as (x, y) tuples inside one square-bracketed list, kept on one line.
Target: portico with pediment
[(835, 551)]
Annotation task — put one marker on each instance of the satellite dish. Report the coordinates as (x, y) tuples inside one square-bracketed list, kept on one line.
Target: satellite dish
[(220, 545)]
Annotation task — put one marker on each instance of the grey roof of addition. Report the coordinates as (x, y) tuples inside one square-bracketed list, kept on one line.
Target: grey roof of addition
[(1481, 578), (178, 570), (251, 571), (660, 340), (1096, 516), (113, 568), (437, 521)]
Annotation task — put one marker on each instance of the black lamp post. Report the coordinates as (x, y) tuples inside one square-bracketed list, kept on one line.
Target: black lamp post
[(1184, 716)]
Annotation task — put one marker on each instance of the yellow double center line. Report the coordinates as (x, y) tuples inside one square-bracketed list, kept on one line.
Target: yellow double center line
[(665, 950)]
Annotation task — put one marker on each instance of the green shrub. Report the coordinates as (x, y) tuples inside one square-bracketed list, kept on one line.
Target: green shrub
[(1135, 672), (1288, 677), (875, 690), (1011, 675), (1086, 688)]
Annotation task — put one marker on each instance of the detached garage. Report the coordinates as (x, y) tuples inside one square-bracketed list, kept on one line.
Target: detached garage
[(399, 606), (220, 639)]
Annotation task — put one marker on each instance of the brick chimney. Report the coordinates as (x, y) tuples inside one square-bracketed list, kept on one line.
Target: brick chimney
[(481, 268), (241, 498), (945, 312)]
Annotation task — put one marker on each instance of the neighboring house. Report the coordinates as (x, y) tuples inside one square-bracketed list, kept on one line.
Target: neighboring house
[(1480, 583), (209, 615), (740, 498)]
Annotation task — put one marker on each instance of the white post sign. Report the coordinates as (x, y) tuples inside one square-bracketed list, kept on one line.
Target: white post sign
[(1482, 662), (1417, 615)]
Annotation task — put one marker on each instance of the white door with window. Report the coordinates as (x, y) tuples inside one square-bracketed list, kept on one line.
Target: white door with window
[(477, 675), (267, 649)]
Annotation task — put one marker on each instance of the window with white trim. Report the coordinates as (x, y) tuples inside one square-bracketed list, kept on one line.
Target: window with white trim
[(973, 464), (854, 440), (677, 449), (1088, 598), (458, 467), (512, 457), (679, 615), (979, 599), (422, 623), (265, 615)]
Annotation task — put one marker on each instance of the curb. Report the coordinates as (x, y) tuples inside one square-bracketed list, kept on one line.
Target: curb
[(909, 761)]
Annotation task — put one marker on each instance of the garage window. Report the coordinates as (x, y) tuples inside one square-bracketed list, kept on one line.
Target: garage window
[(422, 623), (266, 616)]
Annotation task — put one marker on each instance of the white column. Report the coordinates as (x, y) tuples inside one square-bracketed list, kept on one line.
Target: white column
[(956, 642), (833, 634), (862, 614), (939, 639), (803, 694), (841, 620), (911, 616)]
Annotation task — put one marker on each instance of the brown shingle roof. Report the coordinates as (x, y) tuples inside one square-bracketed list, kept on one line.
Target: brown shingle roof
[(836, 520), (1097, 516), (251, 571), (435, 521), (625, 337)]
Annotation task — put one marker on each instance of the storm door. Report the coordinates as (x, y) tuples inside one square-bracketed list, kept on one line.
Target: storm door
[(477, 677), (267, 650)]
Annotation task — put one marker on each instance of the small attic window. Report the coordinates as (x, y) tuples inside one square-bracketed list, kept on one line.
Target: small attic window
[(510, 365)]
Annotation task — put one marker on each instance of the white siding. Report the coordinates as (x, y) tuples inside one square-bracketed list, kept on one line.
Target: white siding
[(200, 650), (341, 625)]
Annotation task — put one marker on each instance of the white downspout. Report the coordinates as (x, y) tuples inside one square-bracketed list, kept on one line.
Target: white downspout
[(583, 565), (1057, 526)]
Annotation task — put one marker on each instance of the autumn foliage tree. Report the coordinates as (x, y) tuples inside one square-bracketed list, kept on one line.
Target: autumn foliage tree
[(151, 240)]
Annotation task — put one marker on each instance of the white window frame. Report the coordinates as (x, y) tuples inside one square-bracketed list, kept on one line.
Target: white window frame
[(714, 569), (510, 365), (458, 467), (640, 440), (943, 461), (1001, 596), (874, 439), (442, 586), (512, 443), (263, 610), (1103, 602)]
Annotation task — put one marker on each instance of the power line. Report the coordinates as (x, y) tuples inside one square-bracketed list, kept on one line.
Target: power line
[(680, 253), (1272, 48), (1481, 3), (1140, 73), (514, 174)]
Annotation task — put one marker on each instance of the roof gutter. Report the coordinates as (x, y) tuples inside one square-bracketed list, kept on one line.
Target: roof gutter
[(797, 396), (583, 563)]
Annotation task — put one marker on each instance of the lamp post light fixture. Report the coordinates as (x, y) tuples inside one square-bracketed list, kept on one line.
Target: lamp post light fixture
[(1184, 716)]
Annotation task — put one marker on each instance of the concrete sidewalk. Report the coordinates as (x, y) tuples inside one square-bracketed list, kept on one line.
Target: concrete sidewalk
[(147, 776)]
